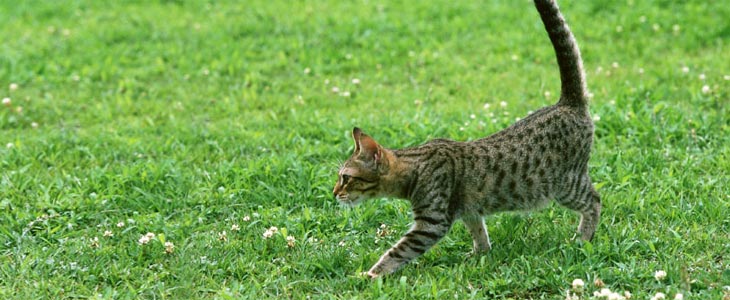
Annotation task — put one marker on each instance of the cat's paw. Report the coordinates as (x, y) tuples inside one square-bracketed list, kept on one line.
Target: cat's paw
[(369, 274)]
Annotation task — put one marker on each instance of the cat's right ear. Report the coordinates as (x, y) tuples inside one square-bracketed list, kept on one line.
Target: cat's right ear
[(365, 146), (356, 134)]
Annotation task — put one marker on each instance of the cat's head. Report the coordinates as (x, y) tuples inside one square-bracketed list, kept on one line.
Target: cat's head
[(360, 176)]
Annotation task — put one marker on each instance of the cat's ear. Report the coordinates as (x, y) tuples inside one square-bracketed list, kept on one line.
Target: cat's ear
[(365, 146)]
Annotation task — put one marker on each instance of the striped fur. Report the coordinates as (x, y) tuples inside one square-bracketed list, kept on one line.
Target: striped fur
[(541, 157)]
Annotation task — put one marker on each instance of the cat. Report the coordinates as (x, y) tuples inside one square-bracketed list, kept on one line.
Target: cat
[(539, 158)]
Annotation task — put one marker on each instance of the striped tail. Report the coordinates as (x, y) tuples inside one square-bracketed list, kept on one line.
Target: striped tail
[(572, 78)]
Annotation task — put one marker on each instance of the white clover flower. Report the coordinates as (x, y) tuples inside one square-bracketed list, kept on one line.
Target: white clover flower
[(472, 116), (246, 218), (223, 236), (13, 86), (702, 76), (7, 101), (290, 240), (615, 296), (487, 105), (307, 70), (120, 224), (221, 189), (335, 90), (255, 215), (143, 240), (341, 244), (656, 27), (9, 145), (150, 235), (268, 234), (94, 242), (108, 233), (578, 285), (596, 118), (273, 229), (659, 296), (515, 57), (685, 69), (19, 109), (726, 77), (235, 227), (678, 296), (503, 104), (34, 125), (355, 81), (706, 89), (642, 19), (660, 275), (641, 70), (169, 247), (346, 94), (614, 65), (675, 28), (627, 295), (547, 94)]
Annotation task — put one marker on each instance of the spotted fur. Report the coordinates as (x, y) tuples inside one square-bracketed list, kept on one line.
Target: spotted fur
[(540, 158)]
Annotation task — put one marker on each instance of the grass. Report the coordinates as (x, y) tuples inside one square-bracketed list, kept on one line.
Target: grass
[(185, 118)]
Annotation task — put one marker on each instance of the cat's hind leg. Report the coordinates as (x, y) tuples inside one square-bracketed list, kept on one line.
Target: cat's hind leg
[(478, 230), (582, 197)]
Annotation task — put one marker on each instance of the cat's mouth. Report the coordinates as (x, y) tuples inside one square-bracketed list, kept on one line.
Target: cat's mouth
[(346, 200)]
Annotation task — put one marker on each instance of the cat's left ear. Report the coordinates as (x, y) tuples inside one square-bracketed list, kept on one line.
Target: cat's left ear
[(365, 146)]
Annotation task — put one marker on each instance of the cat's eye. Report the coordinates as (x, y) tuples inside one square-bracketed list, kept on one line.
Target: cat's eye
[(345, 178)]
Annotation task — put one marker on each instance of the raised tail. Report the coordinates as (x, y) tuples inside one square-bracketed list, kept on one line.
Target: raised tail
[(572, 78)]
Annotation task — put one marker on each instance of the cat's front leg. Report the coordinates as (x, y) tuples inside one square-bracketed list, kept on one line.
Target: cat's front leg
[(424, 234)]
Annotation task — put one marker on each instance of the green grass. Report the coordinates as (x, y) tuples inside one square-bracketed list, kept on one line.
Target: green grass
[(185, 118)]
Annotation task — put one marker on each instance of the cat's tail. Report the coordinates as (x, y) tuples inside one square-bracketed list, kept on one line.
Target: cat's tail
[(572, 78)]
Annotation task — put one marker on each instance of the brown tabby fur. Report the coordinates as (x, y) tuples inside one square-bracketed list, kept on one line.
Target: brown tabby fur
[(541, 157)]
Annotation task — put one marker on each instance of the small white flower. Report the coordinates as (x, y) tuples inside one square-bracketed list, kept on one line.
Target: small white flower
[(461, 128), (143, 240), (290, 241), (223, 236), (95, 242), (726, 77), (706, 89), (169, 247), (9, 145), (641, 70), (92, 195), (7, 101), (487, 105), (578, 285), (659, 296), (13, 86), (547, 94), (417, 102), (307, 70), (268, 234), (515, 57), (656, 27), (685, 69), (675, 28), (335, 90), (614, 65), (503, 104), (273, 229), (246, 218), (615, 296), (235, 227), (255, 215), (346, 94), (341, 244), (150, 235), (221, 189), (19, 109), (108, 233), (678, 296), (604, 292), (472, 116), (596, 118), (660, 275), (120, 224), (355, 81), (348, 56), (642, 19), (702, 76), (627, 294), (34, 125)]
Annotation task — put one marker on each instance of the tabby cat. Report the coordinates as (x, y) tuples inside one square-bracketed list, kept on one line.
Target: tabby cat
[(541, 157)]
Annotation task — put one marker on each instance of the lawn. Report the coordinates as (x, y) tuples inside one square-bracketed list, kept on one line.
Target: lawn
[(147, 148)]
